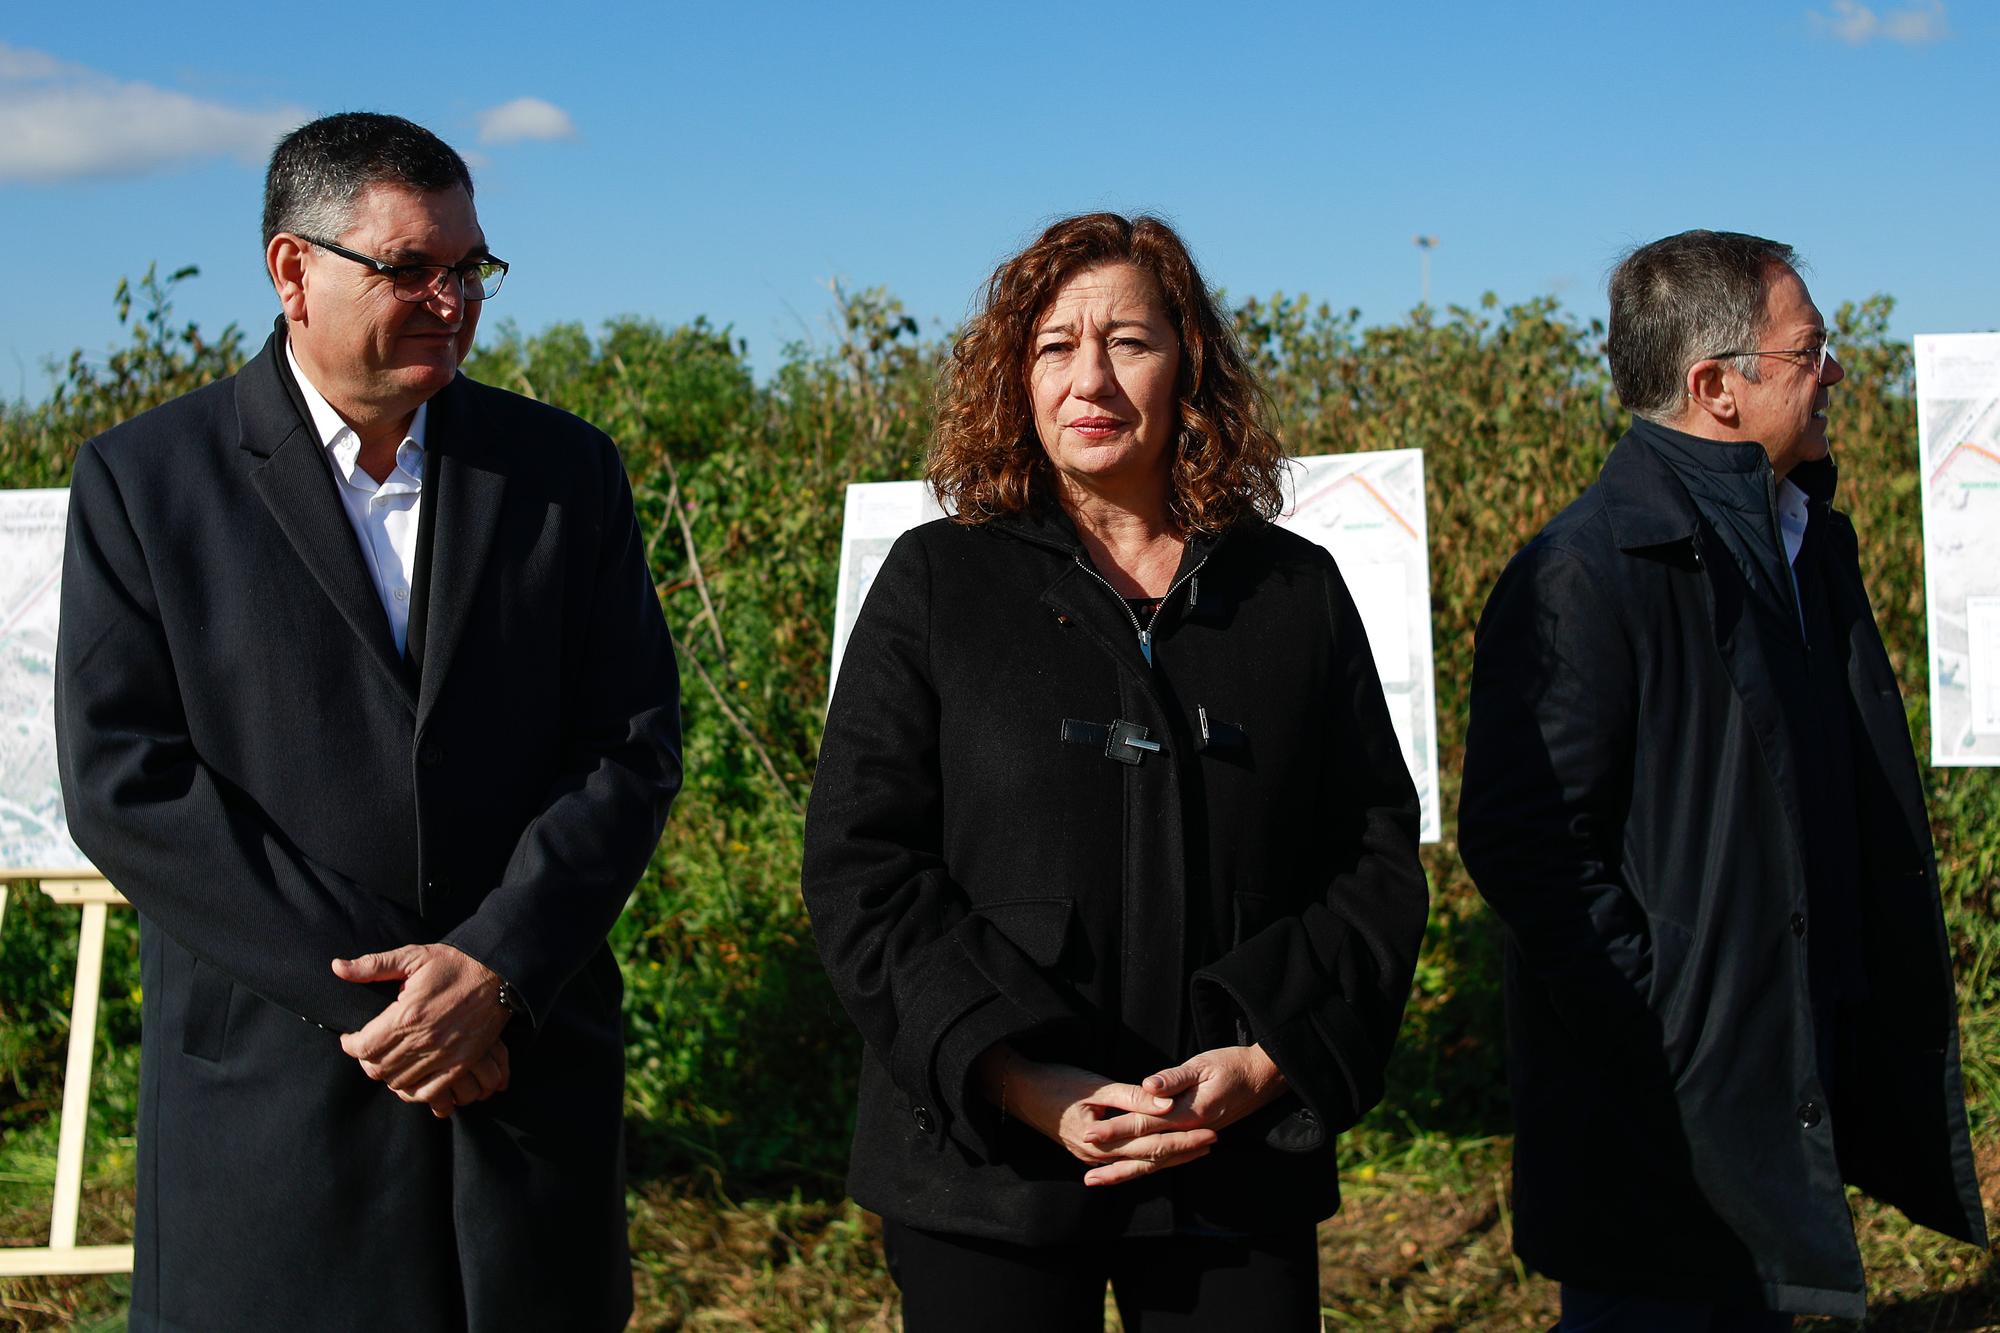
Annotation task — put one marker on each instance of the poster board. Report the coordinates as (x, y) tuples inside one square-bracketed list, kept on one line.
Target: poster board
[(1366, 509), (1958, 445), (34, 833), (878, 512)]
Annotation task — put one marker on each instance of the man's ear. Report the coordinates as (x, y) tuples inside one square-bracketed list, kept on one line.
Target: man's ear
[(1710, 393), (285, 260)]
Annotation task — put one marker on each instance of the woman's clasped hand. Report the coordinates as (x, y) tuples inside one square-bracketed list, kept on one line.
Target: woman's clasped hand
[(1123, 1131)]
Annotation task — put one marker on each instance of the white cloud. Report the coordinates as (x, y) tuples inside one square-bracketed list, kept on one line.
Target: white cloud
[(1912, 25), (20, 63), (60, 121), (525, 118)]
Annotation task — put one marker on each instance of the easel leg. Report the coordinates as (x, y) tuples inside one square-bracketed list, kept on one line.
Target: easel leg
[(76, 1081)]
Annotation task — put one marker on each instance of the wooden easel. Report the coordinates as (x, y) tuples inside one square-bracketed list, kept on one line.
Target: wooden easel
[(62, 1255)]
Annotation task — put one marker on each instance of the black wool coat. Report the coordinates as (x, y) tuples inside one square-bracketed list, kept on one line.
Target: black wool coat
[(979, 869), (1633, 809), (246, 756)]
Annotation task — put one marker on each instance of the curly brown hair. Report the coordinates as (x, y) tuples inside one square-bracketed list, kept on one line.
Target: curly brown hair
[(985, 456)]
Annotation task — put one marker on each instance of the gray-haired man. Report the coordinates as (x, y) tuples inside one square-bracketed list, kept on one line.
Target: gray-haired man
[(1690, 795), (366, 702)]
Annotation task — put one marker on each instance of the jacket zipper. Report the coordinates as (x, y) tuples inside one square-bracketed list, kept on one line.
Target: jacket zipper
[(1145, 631)]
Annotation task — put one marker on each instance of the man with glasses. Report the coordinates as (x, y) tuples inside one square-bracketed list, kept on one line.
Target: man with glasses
[(365, 700), (1690, 796)]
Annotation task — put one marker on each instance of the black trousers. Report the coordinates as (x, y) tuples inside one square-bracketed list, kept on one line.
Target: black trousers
[(1168, 1284)]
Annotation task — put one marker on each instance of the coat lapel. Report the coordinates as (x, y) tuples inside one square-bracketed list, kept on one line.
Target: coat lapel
[(1754, 650), (292, 479), (1652, 517), (469, 498)]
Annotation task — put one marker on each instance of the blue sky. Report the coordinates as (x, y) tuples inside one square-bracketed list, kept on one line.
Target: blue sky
[(731, 160)]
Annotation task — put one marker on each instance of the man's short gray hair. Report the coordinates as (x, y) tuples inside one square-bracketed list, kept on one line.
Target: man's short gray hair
[(320, 169), (1680, 300)]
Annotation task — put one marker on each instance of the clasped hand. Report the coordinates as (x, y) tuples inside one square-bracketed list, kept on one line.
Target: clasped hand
[(439, 1042), (1123, 1131)]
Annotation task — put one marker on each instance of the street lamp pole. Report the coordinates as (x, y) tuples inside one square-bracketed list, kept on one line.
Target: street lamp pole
[(1425, 244)]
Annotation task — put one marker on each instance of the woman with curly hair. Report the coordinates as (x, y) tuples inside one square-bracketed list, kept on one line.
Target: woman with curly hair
[(1112, 854)]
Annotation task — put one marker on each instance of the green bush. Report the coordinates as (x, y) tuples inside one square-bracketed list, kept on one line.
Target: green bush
[(741, 1064)]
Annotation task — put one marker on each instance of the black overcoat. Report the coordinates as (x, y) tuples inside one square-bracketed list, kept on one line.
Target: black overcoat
[(246, 756), (974, 876), (1632, 809)]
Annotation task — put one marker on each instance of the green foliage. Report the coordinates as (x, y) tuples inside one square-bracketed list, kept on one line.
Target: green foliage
[(1513, 411), (37, 963), (160, 362), (38, 945), (741, 1063)]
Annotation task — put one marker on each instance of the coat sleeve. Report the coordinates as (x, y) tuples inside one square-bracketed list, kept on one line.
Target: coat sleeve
[(1323, 991), (577, 860), (1548, 774), (189, 850), (930, 983)]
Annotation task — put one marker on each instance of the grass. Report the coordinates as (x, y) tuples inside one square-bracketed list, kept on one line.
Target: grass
[(27, 1180), (1421, 1245)]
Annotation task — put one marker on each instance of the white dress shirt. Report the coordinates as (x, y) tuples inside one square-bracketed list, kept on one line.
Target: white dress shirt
[(383, 514), (1792, 515)]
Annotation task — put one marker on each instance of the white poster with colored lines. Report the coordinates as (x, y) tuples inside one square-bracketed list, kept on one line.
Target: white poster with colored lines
[(1958, 441), (1368, 511), (34, 835)]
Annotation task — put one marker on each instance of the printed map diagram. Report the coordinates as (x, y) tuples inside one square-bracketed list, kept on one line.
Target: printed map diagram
[(1958, 441), (34, 835), (1366, 509), (878, 512)]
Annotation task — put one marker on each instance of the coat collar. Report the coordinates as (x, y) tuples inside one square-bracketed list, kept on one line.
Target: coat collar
[(1042, 524), (1048, 525), (1648, 506), (471, 490)]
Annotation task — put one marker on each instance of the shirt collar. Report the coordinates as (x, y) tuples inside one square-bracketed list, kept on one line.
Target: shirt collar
[(332, 431)]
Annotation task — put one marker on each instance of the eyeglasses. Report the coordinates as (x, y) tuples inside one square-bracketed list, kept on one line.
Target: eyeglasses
[(1816, 355), (478, 279)]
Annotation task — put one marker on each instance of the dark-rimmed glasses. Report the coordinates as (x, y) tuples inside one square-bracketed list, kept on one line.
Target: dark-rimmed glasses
[(478, 279), (1816, 355)]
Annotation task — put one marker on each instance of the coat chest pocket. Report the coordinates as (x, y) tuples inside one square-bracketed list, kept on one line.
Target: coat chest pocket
[(1038, 927), (205, 1026)]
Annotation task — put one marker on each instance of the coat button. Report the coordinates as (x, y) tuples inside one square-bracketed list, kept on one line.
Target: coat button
[(430, 754), (922, 1115), (1799, 924), (1809, 1115), (437, 884)]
